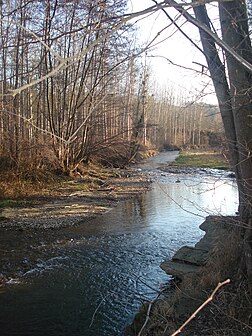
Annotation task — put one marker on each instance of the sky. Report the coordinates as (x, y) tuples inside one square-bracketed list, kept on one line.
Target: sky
[(175, 48)]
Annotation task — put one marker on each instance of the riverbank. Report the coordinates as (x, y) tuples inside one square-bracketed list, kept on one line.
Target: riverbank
[(197, 273), (202, 159), (72, 200), (30, 226)]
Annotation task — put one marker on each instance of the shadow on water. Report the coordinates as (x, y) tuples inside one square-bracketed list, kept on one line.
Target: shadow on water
[(94, 283)]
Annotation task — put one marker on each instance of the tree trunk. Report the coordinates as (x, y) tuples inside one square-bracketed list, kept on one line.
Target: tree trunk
[(237, 36), (234, 25), (218, 75), (234, 102)]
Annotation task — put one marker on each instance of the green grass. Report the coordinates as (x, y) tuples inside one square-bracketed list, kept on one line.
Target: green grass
[(9, 203), (202, 160)]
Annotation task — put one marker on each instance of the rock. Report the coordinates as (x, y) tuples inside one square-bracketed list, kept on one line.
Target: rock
[(178, 269), (191, 255), (213, 223), (216, 228), (189, 259)]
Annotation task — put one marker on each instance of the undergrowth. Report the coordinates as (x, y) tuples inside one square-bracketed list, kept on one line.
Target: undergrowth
[(18, 184)]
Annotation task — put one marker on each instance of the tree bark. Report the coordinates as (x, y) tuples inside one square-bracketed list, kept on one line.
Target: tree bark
[(235, 101), (218, 75), (234, 25)]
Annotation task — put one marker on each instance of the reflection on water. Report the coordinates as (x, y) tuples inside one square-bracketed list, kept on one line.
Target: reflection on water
[(97, 280)]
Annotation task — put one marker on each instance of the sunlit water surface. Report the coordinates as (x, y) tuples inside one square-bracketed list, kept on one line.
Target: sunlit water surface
[(97, 281)]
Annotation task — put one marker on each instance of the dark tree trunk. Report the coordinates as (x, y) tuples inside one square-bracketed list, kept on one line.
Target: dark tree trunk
[(219, 78), (235, 102), (235, 33), (234, 25)]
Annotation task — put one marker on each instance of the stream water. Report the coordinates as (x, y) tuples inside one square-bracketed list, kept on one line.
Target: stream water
[(94, 284)]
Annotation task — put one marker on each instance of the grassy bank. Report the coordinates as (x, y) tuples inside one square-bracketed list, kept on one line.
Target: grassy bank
[(203, 159)]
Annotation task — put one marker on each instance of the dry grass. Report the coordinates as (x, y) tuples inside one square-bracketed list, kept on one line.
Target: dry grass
[(14, 184), (224, 256)]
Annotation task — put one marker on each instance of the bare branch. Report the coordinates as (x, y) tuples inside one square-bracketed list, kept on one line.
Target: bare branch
[(180, 65), (180, 29), (214, 36), (42, 42), (64, 63), (149, 310), (220, 284), (67, 62)]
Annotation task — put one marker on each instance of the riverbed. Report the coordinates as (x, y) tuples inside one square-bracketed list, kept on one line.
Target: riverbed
[(94, 281)]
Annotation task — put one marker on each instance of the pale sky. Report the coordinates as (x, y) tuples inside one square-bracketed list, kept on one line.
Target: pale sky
[(177, 49)]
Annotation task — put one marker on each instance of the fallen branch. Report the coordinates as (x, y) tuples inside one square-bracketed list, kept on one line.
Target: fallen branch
[(96, 310), (149, 310), (147, 318), (220, 284)]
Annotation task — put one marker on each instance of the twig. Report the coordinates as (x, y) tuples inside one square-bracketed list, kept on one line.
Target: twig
[(147, 318), (96, 310), (149, 310), (220, 284)]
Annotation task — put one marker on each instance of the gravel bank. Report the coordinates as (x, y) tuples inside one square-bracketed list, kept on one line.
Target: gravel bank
[(43, 225)]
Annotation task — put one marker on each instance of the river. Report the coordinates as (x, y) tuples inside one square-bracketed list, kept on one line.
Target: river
[(95, 283)]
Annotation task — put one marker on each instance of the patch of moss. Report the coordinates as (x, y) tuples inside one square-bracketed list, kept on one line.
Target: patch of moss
[(7, 203), (202, 160)]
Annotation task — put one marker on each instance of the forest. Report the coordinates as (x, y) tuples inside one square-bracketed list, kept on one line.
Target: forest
[(76, 86), (77, 89)]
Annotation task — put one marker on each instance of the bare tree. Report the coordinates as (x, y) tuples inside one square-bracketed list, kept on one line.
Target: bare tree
[(64, 62)]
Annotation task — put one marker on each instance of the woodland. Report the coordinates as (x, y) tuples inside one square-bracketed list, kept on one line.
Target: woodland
[(76, 88), (72, 90)]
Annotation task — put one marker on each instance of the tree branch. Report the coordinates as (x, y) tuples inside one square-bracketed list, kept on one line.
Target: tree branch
[(220, 284), (180, 29), (149, 310), (216, 39), (180, 7)]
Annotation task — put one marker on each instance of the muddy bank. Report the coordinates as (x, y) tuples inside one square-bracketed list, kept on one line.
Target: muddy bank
[(43, 224)]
